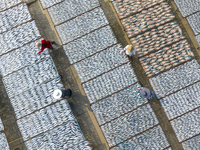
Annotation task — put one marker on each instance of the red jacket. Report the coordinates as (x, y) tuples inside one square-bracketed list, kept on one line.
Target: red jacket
[(45, 44)]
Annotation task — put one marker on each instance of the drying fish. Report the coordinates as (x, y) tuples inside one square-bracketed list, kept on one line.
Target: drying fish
[(167, 30), (161, 27), (166, 48), (148, 19), (187, 46), (154, 36), (151, 26), (141, 16), (129, 32), (170, 36), (146, 70), (163, 62), (167, 8), (156, 66), (167, 15), (150, 9), (166, 26), (144, 63), (150, 22), (168, 67), (176, 34), (175, 40), (160, 59), (178, 57), (169, 51), (176, 48), (179, 30), (142, 41), (133, 41), (162, 39), (166, 58), (145, 67), (148, 73), (155, 71), (163, 18), (152, 61), (139, 36), (174, 61), (173, 52), (176, 37), (173, 31), (184, 53), (162, 22), (122, 9), (137, 24), (157, 45), (165, 55), (151, 43), (171, 56), (182, 37), (148, 37), (144, 11), (151, 49), (175, 64), (160, 67), (145, 53), (153, 33), (157, 24)]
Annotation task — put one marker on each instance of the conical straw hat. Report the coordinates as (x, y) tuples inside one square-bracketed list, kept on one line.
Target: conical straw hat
[(130, 48), (38, 44)]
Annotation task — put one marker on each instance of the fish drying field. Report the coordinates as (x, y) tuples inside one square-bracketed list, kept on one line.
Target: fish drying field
[(190, 11), (167, 60), (108, 78), (30, 79)]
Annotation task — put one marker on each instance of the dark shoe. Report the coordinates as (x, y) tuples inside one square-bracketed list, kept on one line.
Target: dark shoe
[(70, 92), (71, 105)]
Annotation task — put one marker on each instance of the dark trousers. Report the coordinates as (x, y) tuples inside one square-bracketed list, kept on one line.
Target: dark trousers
[(52, 42), (151, 96)]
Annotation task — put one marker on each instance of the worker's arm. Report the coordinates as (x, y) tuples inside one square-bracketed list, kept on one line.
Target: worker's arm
[(42, 49), (125, 48)]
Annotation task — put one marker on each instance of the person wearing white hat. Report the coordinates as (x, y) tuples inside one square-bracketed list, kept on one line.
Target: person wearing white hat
[(130, 50), (57, 94), (146, 93)]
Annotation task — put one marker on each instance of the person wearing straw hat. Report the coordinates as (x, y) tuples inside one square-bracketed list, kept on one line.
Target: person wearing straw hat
[(146, 93), (130, 50), (44, 44)]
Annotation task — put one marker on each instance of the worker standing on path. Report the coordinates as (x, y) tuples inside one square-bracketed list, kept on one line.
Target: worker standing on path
[(45, 44), (130, 50), (146, 93)]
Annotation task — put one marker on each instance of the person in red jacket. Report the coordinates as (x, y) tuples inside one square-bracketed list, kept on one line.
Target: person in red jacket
[(45, 44)]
